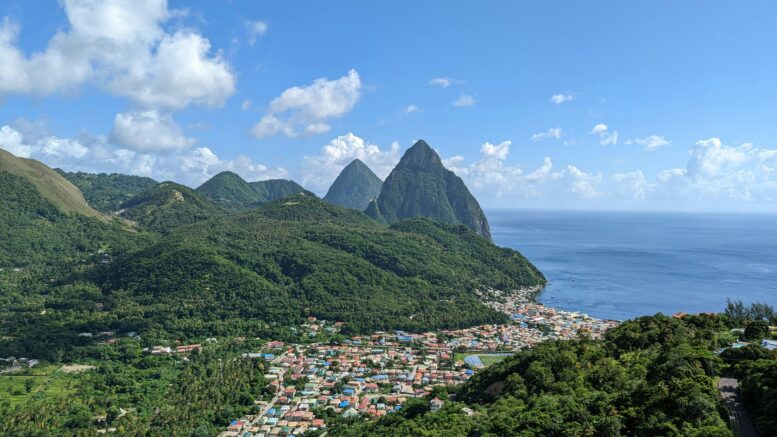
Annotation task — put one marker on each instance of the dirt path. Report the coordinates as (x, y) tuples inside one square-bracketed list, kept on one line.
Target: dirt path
[(736, 411)]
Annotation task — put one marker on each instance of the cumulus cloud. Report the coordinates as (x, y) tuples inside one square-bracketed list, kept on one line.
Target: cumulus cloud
[(652, 142), (119, 45), (715, 172), (493, 178), (12, 141), (89, 153), (305, 110), (322, 169), (409, 109), (554, 132), (561, 98), (148, 131), (246, 105), (606, 136), (255, 29), (445, 82), (464, 100)]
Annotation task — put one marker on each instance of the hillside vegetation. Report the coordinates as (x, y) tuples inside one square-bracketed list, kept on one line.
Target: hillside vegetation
[(232, 192), (49, 184), (106, 192), (168, 205), (300, 256)]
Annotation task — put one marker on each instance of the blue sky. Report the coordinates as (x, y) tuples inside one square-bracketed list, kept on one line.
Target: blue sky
[(611, 104)]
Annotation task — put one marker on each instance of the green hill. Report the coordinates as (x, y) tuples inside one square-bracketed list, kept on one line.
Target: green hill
[(50, 184), (230, 191), (106, 192), (420, 186), (35, 232), (354, 187), (168, 205), (301, 256)]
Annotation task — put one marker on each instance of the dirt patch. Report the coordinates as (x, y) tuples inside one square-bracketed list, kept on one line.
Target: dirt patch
[(74, 368)]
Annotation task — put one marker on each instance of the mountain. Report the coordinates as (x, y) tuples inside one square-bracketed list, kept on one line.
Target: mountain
[(230, 191), (106, 192), (168, 205), (420, 186), (44, 219), (301, 256), (48, 183), (354, 187), (274, 189)]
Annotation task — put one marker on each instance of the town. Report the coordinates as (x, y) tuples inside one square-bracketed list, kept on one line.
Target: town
[(374, 375)]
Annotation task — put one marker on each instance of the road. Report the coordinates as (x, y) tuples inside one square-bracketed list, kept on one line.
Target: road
[(736, 411), (272, 402)]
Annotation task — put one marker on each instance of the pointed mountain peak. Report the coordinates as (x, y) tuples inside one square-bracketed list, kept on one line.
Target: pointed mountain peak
[(420, 186), (420, 156), (355, 186)]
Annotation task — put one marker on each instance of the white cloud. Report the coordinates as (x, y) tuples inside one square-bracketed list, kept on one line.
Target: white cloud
[(554, 132), (606, 137), (62, 148), (561, 98), (464, 100), (256, 29), (11, 140), (148, 131), (246, 105), (445, 82), (98, 154), (305, 110), (714, 173), (409, 109), (121, 46), (322, 169), (652, 142)]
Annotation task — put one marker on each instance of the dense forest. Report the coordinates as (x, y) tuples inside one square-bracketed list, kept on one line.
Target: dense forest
[(106, 192), (138, 394)]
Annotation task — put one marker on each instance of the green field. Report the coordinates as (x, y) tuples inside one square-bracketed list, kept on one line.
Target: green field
[(485, 358), (44, 381)]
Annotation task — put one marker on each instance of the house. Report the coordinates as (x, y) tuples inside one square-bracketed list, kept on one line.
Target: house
[(185, 349), (435, 404)]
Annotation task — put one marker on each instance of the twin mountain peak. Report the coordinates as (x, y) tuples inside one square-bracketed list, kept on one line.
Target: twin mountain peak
[(419, 186)]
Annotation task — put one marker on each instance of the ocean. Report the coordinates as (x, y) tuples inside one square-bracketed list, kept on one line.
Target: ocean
[(620, 265)]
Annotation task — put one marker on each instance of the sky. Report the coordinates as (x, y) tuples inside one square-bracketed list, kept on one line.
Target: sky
[(621, 105)]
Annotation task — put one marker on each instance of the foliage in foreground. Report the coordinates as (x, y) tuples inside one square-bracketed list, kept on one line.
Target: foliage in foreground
[(144, 395)]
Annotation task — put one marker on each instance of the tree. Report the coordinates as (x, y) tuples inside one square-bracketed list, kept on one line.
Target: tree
[(756, 330)]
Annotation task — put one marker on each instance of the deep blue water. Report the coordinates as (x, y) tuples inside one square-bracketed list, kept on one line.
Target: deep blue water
[(620, 265)]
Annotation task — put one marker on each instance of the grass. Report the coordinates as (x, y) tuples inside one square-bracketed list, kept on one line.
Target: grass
[(486, 358), (46, 381)]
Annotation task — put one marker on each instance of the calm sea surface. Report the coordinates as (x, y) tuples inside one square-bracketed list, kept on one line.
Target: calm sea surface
[(622, 265)]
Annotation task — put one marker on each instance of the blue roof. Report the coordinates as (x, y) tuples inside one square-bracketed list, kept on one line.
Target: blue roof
[(470, 371), (343, 404), (348, 391), (380, 377)]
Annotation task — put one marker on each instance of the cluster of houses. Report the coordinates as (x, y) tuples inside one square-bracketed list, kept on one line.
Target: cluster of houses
[(374, 375)]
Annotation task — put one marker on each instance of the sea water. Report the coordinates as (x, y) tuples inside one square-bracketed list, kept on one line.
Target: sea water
[(619, 265)]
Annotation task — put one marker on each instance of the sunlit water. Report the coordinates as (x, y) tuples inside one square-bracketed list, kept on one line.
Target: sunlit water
[(622, 265)]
